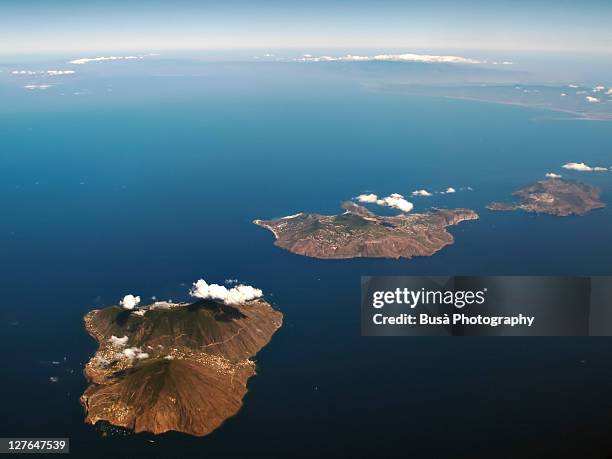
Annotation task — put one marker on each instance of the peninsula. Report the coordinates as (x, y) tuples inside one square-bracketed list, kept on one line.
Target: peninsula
[(174, 367), (554, 196), (357, 232)]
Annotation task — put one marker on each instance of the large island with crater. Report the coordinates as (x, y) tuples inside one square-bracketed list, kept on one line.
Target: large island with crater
[(357, 232), (174, 367), (555, 196)]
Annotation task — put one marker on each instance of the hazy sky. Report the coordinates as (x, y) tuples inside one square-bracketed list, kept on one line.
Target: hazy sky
[(153, 25)]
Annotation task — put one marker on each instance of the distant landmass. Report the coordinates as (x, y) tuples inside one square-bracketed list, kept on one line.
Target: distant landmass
[(575, 101), (554, 196), (174, 367), (359, 233)]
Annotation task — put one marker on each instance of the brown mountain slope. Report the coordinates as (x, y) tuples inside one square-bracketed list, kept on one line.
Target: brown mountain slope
[(359, 233), (177, 367), (555, 197)]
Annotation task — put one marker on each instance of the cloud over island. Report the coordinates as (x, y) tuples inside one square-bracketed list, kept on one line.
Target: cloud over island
[(234, 295), (582, 167), (130, 302), (87, 60), (406, 57), (398, 201), (367, 198), (424, 193), (118, 342), (34, 87), (394, 200), (43, 72)]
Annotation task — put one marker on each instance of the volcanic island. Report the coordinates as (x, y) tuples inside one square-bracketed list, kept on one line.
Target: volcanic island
[(554, 196), (174, 366), (357, 232)]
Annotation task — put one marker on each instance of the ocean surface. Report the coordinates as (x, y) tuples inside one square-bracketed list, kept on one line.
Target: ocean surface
[(144, 180)]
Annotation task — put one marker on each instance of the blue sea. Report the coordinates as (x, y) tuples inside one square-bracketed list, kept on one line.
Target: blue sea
[(142, 177)]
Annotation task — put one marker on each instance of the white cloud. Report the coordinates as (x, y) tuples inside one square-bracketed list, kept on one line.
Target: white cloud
[(553, 175), (101, 361), (43, 72), (87, 60), (598, 88), (60, 72), (118, 342), (409, 57), (583, 167), (25, 72), (234, 295), (592, 100), (369, 198), (421, 193), (609, 92), (396, 201), (134, 353), (426, 58), (34, 87), (573, 86), (130, 301), (130, 352)]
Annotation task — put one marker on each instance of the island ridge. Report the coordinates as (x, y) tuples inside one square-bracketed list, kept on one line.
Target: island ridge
[(174, 367), (360, 233), (555, 196)]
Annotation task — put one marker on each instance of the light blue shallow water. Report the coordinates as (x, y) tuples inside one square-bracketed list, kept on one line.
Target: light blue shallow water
[(144, 184)]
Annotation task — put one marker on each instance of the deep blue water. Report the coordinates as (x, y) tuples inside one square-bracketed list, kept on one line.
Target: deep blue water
[(143, 183)]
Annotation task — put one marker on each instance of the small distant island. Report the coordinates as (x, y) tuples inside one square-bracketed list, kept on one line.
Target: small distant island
[(360, 233), (555, 196), (174, 367)]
